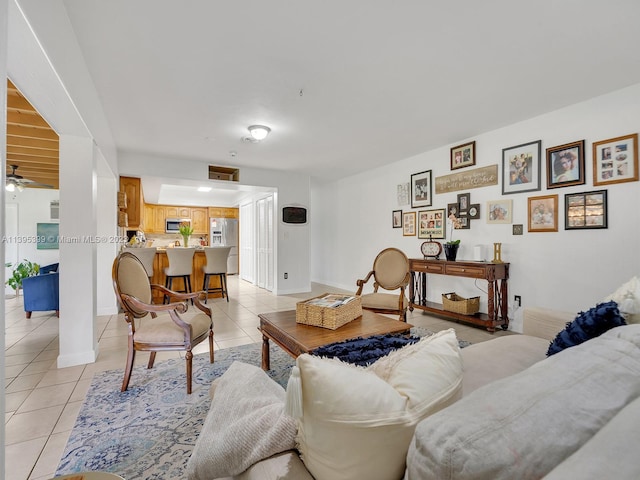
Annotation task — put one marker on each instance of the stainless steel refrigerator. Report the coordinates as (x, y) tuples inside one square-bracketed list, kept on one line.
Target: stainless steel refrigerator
[(224, 233)]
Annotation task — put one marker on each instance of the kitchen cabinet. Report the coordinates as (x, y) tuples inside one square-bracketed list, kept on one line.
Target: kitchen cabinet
[(154, 218), (171, 211), (200, 220), (223, 212), (132, 187)]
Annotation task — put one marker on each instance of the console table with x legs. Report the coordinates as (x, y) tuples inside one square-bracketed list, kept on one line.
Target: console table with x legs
[(496, 275)]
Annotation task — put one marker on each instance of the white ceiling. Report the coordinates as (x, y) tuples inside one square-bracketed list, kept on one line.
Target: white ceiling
[(345, 85)]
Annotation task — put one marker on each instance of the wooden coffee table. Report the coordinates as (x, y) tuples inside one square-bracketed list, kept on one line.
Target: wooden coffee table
[(295, 338)]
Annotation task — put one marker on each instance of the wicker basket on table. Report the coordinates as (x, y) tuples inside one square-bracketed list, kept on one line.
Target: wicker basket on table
[(327, 317), (452, 302)]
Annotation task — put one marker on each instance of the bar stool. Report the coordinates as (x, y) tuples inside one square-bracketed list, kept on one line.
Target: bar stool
[(180, 266), (216, 266), (146, 257)]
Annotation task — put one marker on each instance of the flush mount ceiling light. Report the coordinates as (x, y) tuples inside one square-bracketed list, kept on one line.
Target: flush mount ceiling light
[(258, 132), (204, 189)]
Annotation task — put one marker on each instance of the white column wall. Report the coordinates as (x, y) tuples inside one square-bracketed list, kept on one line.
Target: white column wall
[(107, 249), (4, 13), (78, 269)]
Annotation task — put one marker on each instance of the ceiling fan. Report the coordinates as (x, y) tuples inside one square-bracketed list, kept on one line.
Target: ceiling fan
[(15, 181)]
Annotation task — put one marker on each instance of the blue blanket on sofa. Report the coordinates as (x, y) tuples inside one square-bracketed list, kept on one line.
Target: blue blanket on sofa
[(364, 351)]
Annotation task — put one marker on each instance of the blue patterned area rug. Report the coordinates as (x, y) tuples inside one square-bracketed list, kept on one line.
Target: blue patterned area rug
[(149, 431)]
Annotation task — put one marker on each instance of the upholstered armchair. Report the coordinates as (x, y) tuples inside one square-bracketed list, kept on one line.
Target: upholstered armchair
[(157, 328), (390, 272), (41, 292)]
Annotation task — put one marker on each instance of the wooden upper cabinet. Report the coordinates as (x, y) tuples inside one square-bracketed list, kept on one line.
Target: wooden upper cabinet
[(200, 220), (135, 201), (223, 212), (154, 218)]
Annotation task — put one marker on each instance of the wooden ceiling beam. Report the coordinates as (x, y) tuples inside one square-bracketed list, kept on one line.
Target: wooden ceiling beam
[(20, 159), (35, 143), (52, 153), (26, 119), (31, 132), (32, 144), (19, 103)]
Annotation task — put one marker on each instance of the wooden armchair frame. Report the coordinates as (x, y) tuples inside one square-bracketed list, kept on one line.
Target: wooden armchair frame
[(137, 305), (398, 279)]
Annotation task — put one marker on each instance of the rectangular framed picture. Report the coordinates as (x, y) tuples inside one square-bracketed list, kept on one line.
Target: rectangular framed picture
[(432, 223), (464, 201), (409, 224), (615, 160), (396, 221), (463, 155), (500, 211), (565, 165), (421, 189), (543, 213), (585, 210), (403, 194), (521, 168), (47, 236)]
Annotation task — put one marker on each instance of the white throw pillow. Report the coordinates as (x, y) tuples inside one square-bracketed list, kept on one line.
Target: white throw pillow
[(627, 296), (358, 422), (245, 424)]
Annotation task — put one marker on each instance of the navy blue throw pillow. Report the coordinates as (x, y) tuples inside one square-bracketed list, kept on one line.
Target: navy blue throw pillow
[(587, 325)]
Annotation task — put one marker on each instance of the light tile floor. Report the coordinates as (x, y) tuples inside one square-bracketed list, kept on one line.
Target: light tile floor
[(42, 401)]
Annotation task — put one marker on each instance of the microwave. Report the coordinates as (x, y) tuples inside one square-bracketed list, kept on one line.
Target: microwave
[(172, 225)]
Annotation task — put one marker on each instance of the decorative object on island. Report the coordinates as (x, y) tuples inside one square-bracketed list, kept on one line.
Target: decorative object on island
[(543, 213), (585, 210), (565, 165), (431, 223), (421, 189), (185, 230), (499, 211), (497, 253), (451, 247), (615, 160), (463, 155), (521, 168)]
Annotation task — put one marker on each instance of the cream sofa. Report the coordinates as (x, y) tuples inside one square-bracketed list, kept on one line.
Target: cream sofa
[(477, 437)]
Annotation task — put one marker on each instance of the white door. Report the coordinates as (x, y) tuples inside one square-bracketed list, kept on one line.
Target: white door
[(247, 251), (265, 232), (269, 244)]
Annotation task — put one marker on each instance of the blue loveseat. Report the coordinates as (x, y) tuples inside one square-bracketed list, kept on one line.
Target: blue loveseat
[(41, 292)]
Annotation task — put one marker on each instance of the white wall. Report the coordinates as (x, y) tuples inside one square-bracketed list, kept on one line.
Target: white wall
[(292, 241), (34, 206), (568, 270)]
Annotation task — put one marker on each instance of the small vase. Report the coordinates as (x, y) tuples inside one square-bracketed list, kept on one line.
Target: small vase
[(451, 251), (185, 241)]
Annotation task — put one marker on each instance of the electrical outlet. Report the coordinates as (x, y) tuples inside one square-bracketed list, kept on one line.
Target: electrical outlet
[(518, 300), (286, 275)]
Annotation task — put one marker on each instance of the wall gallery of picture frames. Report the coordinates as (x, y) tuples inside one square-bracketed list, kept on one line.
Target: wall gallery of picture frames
[(614, 160)]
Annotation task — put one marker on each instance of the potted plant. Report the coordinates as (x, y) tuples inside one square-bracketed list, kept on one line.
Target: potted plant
[(185, 230), (21, 271), (451, 247)]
